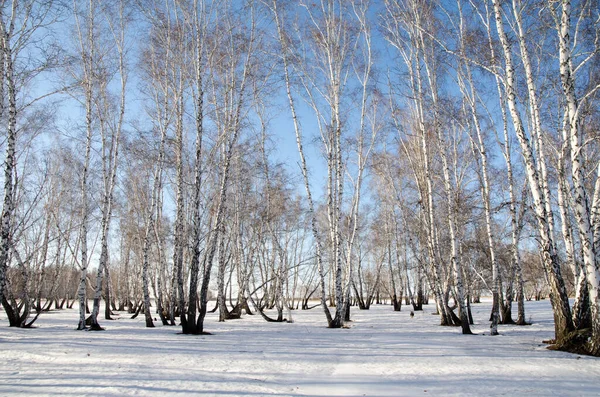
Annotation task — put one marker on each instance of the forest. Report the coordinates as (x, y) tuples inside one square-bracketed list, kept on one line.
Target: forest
[(176, 158)]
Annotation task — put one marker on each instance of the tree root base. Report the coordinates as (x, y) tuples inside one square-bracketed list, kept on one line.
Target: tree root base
[(577, 342), (96, 327)]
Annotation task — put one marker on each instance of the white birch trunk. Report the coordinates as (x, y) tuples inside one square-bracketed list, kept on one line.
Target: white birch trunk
[(150, 229), (479, 146), (455, 258), (9, 162), (199, 30), (424, 60), (178, 241), (572, 259), (311, 208), (110, 137), (560, 303), (230, 128), (506, 151), (581, 208), (536, 122), (88, 59), (362, 152)]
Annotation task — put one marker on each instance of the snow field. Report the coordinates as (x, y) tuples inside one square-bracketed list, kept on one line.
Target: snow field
[(383, 353)]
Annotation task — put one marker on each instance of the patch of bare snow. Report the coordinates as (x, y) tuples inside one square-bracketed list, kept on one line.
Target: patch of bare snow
[(383, 353)]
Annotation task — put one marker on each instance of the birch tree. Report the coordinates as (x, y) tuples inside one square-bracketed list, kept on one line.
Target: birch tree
[(164, 72), (229, 96), (465, 82), (162, 120), (325, 80), (86, 31), (562, 311), (405, 25), (179, 78), (335, 34), (287, 56), (200, 17), (24, 24), (111, 127), (473, 95), (574, 133)]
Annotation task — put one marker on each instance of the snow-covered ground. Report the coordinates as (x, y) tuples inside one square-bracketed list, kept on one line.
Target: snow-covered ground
[(383, 353)]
